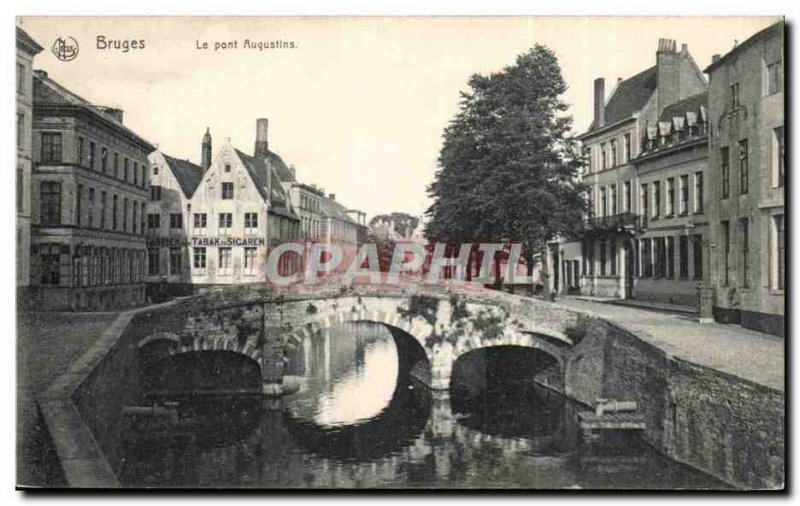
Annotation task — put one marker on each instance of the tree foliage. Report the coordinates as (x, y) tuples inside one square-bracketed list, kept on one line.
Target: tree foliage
[(404, 223), (508, 165)]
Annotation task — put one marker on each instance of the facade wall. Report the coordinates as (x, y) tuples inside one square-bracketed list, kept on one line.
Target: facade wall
[(86, 252), (24, 87), (168, 248), (214, 241), (746, 270)]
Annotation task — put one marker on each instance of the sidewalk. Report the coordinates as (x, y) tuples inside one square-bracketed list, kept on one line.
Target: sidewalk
[(751, 355), (656, 306)]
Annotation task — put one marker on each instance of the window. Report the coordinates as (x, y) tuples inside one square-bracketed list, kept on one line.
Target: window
[(774, 78), (613, 256), (250, 223), (135, 173), (603, 257), (670, 257), (614, 153), (199, 260), (51, 147), (227, 167), (647, 262), (697, 245), (153, 221), (155, 170), (726, 248), (116, 163), (698, 192), (125, 215), (603, 202), (125, 165), (684, 182), (644, 194), (92, 149), (613, 199), (90, 218), (587, 153), (80, 151), (628, 155), (155, 193), (626, 197), (176, 221), (670, 196), (175, 261), (20, 77), (656, 199), (20, 128), (603, 161), (683, 252), (104, 159), (744, 239), (660, 257), (227, 191), (726, 172), (50, 203), (135, 221), (224, 261), (152, 262), (50, 258), (779, 259), (744, 167), (102, 210), (125, 172), (200, 220), (778, 154), (143, 216), (734, 92), (20, 190), (79, 205), (225, 222), (114, 213), (590, 248), (250, 261)]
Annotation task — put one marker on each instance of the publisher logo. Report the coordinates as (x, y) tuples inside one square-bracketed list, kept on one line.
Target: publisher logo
[(65, 48)]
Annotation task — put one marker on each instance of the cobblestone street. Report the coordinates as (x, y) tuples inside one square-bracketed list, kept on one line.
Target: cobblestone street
[(46, 346), (751, 355)]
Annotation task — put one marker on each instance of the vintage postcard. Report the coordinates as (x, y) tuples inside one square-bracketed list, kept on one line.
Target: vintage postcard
[(542, 253)]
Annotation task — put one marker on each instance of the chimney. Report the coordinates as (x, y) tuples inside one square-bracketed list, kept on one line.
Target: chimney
[(668, 70), (332, 196), (40, 73), (293, 171), (715, 58), (205, 151), (599, 101), (262, 146)]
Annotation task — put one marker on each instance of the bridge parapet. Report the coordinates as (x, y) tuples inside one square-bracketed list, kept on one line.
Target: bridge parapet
[(446, 322)]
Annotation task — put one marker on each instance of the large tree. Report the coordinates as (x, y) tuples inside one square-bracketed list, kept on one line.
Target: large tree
[(508, 166)]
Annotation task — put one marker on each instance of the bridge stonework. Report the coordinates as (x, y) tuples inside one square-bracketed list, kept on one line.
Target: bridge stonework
[(444, 324)]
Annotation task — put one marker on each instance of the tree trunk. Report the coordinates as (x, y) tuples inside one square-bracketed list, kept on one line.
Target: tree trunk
[(548, 294), (528, 255)]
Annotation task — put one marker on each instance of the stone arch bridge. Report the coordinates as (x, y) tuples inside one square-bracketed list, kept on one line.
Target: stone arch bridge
[(442, 324)]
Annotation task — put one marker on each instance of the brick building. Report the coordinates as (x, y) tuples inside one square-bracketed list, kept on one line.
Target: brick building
[(645, 149), (747, 183), (27, 49), (88, 196)]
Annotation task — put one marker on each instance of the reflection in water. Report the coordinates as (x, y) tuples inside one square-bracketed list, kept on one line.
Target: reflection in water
[(343, 430)]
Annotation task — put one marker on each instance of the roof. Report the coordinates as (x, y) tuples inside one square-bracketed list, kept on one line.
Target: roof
[(689, 104), (26, 42), (773, 30), (263, 173), (48, 93), (187, 173), (284, 173), (333, 209), (630, 96)]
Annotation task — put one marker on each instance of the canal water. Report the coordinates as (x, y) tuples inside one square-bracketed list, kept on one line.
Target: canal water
[(358, 423)]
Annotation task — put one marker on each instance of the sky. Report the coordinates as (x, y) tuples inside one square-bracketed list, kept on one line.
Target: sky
[(359, 104)]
